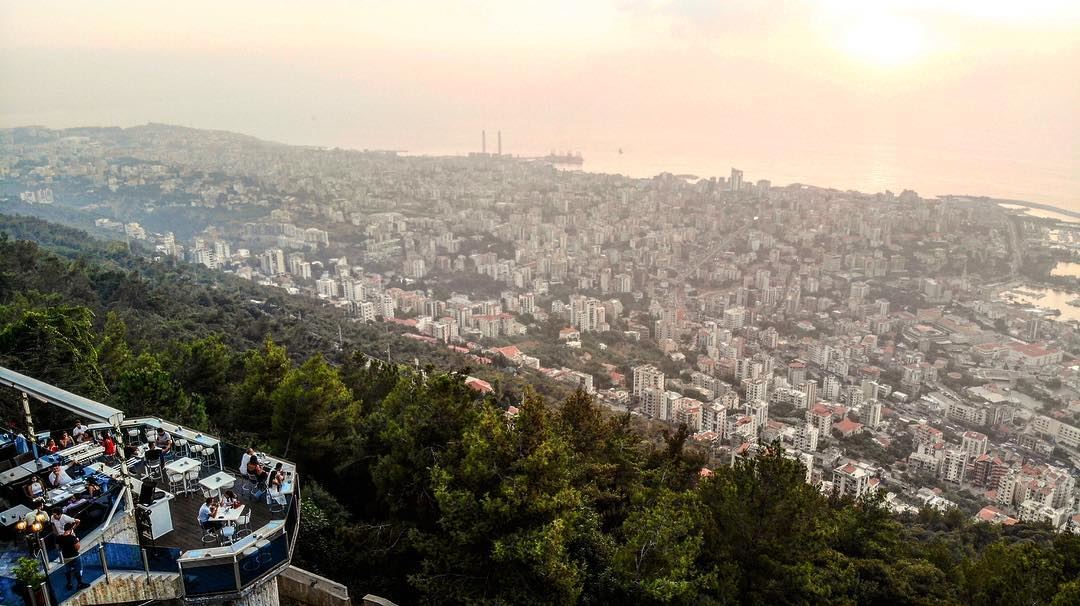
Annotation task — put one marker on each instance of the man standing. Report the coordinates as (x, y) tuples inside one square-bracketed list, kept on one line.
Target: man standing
[(69, 549)]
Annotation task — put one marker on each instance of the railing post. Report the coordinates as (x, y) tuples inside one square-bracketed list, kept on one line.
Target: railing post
[(104, 563), (236, 571), (145, 563)]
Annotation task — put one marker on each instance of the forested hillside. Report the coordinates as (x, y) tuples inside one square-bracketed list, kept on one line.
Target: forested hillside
[(432, 494)]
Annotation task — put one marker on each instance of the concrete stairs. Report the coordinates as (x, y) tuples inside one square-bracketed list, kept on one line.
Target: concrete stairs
[(128, 586)]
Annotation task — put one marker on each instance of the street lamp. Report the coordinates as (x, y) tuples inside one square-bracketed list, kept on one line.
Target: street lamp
[(32, 525)]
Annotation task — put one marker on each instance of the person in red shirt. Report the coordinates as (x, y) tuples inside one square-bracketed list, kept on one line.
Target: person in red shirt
[(109, 445), (51, 445)]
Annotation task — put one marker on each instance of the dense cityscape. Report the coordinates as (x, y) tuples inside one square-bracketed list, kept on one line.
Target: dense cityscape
[(921, 349)]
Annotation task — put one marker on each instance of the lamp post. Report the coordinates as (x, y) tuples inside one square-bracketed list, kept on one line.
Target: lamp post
[(32, 525)]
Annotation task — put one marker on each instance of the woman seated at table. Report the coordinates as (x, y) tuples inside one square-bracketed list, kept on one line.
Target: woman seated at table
[(254, 468), (51, 445), (65, 441), (229, 499), (35, 489), (277, 478)]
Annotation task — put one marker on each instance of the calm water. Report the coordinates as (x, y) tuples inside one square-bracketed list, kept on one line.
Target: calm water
[(1066, 269), (930, 171), (1047, 298)]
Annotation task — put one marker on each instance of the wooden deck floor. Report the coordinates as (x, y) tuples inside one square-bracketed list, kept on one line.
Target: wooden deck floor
[(187, 534)]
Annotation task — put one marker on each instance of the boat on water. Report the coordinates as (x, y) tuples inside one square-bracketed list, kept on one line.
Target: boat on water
[(566, 158)]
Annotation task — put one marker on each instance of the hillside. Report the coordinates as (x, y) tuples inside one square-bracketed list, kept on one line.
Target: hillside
[(432, 494)]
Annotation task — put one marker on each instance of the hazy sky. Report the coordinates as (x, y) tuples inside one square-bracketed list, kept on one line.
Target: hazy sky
[(674, 77)]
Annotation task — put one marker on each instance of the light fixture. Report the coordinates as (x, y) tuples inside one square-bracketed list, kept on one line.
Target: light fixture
[(37, 527), (20, 525), (41, 517)]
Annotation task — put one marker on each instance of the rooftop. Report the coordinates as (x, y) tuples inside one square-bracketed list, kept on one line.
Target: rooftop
[(135, 487)]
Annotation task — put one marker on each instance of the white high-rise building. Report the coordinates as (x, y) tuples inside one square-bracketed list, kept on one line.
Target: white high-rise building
[(873, 414), (645, 377), (272, 262), (806, 438)]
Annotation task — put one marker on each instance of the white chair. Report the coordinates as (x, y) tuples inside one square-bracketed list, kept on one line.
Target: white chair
[(276, 501), (191, 480), (243, 524), (208, 455), (180, 445), (227, 535), (210, 535), (176, 482)]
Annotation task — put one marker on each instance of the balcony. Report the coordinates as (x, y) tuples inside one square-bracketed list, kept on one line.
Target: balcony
[(138, 510)]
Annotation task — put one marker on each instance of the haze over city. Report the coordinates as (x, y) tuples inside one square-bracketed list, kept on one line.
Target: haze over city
[(960, 97)]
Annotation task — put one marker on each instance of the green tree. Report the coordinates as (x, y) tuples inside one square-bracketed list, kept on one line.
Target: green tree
[(146, 388), (313, 414), (264, 368)]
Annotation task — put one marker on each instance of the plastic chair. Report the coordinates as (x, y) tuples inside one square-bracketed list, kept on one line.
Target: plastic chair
[(243, 524), (176, 482), (210, 535), (227, 535), (191, 478), (277, 502), (180, 445), (209, 455)]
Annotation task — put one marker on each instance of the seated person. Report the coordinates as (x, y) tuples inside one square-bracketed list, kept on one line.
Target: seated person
[(65, 441), (109, 445), (229, 499), (208, 510), (79, 431), (84, 437), (164, 441), (58, 477), (93, 489), (34, 489), (254, 468), (277, 478), (51, 445)]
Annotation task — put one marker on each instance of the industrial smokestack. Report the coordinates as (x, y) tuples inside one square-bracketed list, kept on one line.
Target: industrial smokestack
[(500, 142), (483, 141)]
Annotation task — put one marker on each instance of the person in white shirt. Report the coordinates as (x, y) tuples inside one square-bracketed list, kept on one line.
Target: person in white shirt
[(80, 429), (58, 477), (59, 520), (244, 460)]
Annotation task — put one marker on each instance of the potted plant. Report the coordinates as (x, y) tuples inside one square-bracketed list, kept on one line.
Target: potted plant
[(31, 580)]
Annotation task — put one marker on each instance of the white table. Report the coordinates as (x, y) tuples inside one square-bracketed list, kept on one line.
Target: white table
[(217, 482), (182, 465), (229, 515)]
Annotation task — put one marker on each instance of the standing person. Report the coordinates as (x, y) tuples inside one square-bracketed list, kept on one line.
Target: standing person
[(69, 549), (60, 520), (109, 445)]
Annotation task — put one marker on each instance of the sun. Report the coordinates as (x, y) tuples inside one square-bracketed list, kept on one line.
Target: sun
[(885, 41)]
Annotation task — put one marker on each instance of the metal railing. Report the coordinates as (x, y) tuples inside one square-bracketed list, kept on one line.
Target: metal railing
[(230, 570)]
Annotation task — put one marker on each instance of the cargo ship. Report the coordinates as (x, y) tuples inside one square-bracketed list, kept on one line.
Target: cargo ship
[(566, 158)]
